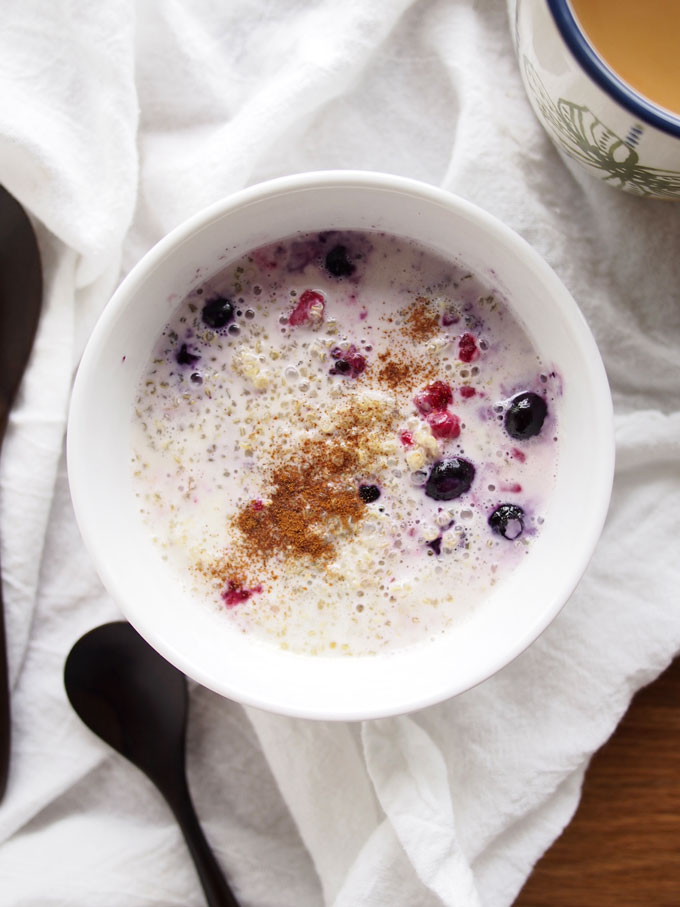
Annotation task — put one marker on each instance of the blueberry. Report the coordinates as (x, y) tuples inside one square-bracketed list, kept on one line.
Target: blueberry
[(341, 367), (525, 415), (184, 357), (217, 312), (369, 493), (435, 545), (507, 520), (338, 264), (449, 479)]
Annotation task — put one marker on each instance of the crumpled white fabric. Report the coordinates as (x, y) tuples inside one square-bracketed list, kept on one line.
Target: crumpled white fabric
[(117, 121)]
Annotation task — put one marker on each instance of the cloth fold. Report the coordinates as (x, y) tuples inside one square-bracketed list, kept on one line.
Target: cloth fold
[(118, 121)]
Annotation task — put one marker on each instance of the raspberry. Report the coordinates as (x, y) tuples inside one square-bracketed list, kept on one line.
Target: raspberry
[(357, 363), (467, 348), (444, 425), (310, 308), (235, 594), (434, 397)]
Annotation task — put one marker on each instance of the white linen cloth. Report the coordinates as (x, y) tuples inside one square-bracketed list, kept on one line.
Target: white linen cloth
[(117, 121)]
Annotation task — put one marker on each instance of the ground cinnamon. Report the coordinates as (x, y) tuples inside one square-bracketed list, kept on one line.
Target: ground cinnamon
[(393, 372), (422, 319), (313, 499)]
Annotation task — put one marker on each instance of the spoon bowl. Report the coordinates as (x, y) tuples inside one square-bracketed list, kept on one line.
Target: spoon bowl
[(137, 702)]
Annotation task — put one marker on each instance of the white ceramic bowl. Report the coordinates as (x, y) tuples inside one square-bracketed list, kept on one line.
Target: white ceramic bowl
[(197, 639)]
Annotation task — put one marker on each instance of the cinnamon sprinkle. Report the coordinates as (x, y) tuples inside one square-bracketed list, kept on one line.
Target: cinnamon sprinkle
[(313, 501), (306, 501), (395, 373), (422, 319)]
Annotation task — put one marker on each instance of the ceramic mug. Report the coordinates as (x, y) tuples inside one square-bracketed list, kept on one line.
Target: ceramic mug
[(593, 116)]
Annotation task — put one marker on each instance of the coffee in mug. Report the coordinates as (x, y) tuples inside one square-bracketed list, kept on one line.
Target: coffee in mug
[(639, 41), (603, 78)]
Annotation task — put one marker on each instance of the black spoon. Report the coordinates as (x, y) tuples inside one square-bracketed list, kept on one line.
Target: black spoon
[(137, 702), (20, 303)]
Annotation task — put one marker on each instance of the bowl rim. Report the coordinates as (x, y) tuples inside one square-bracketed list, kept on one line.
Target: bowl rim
[(358, 179)]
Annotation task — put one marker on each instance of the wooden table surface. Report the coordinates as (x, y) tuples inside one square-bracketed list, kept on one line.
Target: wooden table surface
[(622, 848)]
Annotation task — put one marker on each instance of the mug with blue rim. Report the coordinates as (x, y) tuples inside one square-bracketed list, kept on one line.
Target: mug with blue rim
[(592, 115)]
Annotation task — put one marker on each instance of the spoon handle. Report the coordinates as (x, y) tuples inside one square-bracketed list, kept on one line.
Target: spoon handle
[(4, 702), (217, 891)]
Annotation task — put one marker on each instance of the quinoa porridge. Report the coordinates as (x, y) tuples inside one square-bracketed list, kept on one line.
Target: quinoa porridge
[(344, 441)]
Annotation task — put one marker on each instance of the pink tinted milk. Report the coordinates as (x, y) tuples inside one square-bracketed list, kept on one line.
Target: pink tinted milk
[(345, 442)]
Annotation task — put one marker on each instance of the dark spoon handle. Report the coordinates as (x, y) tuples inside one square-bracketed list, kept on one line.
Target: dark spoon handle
[(5, 720), (217, 891), (4, 702)]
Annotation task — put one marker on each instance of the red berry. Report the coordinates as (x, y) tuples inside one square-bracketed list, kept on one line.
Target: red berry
[(450, 316), (356, 362), (513, 487), (302, 310), (444, 425), (406, 438), (235, 594), (467, 391), (467, 348), (349, 362), (433, 397)]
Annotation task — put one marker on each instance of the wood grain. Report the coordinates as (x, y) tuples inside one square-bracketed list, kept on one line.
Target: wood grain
[(622, 848)]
